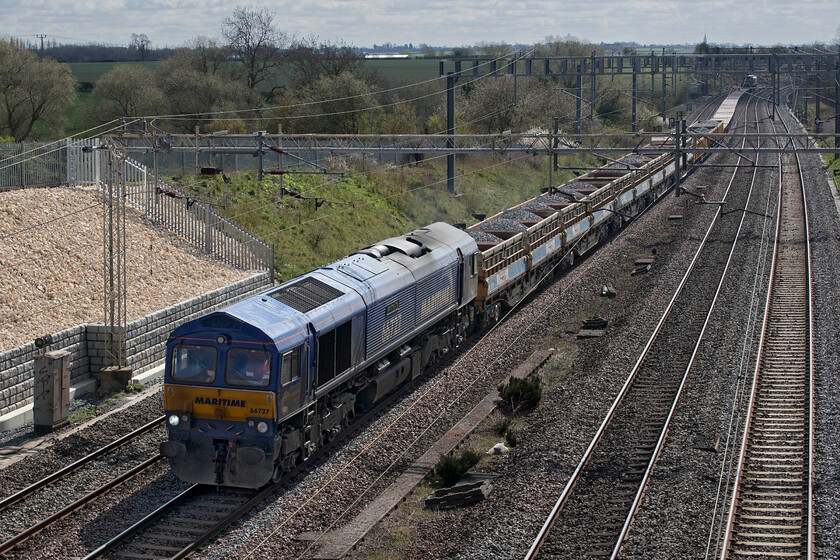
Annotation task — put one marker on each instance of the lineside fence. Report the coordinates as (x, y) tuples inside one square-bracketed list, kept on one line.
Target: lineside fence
[(80, 163), (32, 164)]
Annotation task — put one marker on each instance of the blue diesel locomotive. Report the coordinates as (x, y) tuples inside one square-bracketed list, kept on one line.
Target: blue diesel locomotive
[(255, 388)]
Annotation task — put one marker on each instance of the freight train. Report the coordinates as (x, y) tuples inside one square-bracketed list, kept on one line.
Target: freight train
[(256, 388)]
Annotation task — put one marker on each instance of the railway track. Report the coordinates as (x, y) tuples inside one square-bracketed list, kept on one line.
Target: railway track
[(593, 514), (197, 515), (64, 474), (771, 509)]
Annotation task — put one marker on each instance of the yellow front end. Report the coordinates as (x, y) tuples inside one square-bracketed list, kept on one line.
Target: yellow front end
[(221, 436), (220, 404)]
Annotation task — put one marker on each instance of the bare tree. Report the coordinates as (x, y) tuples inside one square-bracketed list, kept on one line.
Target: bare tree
[(311, 61), (255, 42), (430, 51), (209, 55), (494, 50), (489, 106), (32, 90), (199, 97), (140, 42), (342, 104)]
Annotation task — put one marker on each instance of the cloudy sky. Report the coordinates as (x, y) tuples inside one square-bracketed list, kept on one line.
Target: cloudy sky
[(436, 22)]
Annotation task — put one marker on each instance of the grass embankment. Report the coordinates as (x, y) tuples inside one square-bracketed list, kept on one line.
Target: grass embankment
[(365, 206), (833, 165)]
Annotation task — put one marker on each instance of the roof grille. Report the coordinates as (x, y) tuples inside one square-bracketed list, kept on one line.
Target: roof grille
[(306, 295)]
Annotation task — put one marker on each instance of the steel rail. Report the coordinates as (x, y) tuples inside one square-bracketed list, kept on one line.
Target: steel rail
[(664, 431), (731, 518), (811, 429), (762, 340), (745, 353), (573, 480), (29, 490), (67, 510), (143, 523)]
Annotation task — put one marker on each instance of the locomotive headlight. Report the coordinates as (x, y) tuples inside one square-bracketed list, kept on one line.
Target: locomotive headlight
[(174, 420), (262, 427)]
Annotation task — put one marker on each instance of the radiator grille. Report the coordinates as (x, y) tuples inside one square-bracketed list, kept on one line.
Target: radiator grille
[(306, 295)]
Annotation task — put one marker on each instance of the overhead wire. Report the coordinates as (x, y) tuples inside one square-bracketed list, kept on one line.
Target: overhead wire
[(59, 145), (177, 116)]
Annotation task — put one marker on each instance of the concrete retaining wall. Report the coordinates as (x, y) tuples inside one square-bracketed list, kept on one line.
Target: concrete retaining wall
[(145, 341)]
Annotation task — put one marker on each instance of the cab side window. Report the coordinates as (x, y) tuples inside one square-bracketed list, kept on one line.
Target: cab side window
[(290, 369)]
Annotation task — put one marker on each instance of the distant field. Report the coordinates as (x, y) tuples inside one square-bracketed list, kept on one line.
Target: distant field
[(91, 71), (405, 69), (392, 71)]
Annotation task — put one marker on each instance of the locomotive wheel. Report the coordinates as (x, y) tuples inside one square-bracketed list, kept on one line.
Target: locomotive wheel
[(495, 313)]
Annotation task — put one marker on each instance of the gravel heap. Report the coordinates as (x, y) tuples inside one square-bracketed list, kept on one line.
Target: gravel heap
[(484, 237), (636, 160), (555, 199), (535, 206), (51, 264), (501, 224), (521, 215)]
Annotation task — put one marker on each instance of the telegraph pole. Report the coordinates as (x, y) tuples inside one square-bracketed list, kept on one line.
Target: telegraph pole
[(664, 83), (635, 92), (42, 37), (836, 105), (592, 92), (817, 100), (450, 131), (115, 278), (579, 99)]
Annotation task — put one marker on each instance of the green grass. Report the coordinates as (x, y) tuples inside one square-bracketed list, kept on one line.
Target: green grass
[(80, 115), (378, 203), (404, 70), (89, 72), (833, 169)]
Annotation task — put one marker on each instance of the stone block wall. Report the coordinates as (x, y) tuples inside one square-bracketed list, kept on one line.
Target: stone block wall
[(145, 341)]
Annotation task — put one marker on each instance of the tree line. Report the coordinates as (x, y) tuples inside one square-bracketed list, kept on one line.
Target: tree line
[(255, 76)]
